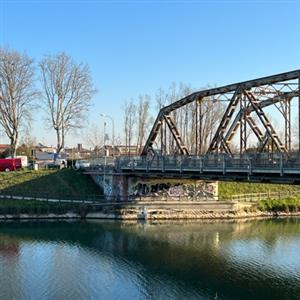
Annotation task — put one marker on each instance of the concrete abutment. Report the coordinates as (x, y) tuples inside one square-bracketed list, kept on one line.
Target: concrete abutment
[(162, 189)]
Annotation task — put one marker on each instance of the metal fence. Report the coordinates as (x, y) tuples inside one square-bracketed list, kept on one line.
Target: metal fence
[(254, 197), (102, 200), (53, 197)]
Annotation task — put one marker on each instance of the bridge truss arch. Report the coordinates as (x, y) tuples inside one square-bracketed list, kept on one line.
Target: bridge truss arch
[(247, 119)]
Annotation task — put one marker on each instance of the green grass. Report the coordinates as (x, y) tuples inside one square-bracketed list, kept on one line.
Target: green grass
[(227, 189), (10, 206), (280, 205), (31, 207), (52, 182)]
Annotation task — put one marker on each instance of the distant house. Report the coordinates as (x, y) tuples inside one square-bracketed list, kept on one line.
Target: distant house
[(42, 148), (4, 147), (117, 150), (44, 155), (123, 150), (39, 155), (78, 152)]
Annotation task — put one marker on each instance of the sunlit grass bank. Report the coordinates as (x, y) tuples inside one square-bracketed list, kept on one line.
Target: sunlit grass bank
[(60, 182), (228, 189)]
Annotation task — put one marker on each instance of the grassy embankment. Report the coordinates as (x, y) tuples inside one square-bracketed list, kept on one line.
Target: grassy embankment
[(290, 204), (57, 184), (52, 182), (228, 189)]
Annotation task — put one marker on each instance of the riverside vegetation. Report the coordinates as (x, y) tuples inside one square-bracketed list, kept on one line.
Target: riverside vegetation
[(288, 205)]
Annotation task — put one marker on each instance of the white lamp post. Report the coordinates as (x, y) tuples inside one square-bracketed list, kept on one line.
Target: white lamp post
[(113, 130)]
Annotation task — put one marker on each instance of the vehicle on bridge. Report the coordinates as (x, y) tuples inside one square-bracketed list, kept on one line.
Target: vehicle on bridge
[(82, 164)]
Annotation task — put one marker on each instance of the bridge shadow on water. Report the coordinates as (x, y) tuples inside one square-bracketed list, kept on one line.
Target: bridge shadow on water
[(215, 260)]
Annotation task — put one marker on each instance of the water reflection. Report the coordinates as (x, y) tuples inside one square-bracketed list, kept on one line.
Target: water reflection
[(113, 260)]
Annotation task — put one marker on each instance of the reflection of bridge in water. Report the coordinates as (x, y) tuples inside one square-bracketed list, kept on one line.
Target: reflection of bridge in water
[(202, 257)]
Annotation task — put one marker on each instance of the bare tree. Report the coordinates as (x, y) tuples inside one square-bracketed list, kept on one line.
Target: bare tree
[(187, 120), (212, 112), (92, 135), (143, 115), (129, 109), (17, 93), (182, 116), (68, 90), (161, 98), (27, 144)]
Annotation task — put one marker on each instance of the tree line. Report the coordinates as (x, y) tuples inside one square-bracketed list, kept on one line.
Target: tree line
[(138, 117), (62, 88), (64, 93)]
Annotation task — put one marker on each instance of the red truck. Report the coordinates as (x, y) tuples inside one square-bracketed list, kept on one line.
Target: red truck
[(10, 164)]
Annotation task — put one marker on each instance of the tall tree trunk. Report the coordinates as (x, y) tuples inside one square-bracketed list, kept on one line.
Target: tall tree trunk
[(59, 141), (13, 147)]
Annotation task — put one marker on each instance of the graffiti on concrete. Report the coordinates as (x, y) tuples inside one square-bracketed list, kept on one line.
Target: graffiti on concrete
[(176, 191), (172, 188), (107, 188), (162, 188)]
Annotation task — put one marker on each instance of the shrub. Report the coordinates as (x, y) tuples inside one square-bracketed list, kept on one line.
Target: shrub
[(280, 205)]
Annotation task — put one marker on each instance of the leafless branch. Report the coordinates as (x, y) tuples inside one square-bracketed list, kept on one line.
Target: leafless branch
[(17, 93), (68, 90)]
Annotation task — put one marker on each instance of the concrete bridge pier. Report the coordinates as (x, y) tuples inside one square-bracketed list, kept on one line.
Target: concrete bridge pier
[(124, 187)]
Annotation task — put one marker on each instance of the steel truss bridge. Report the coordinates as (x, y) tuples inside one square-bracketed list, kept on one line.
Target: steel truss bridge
[(249, 118), (244, 116)]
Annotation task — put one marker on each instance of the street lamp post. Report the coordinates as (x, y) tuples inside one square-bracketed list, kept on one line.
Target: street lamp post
[(113, 130), (104, 134)]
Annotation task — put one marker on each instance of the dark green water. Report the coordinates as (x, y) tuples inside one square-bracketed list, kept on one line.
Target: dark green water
[(111, 260)]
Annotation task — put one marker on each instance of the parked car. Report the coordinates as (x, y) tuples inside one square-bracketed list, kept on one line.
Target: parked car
[(61, 162), (82, 164), (10, 164), (132, 164)]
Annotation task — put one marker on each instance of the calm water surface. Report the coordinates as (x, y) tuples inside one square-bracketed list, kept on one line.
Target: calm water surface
[(111, 260)]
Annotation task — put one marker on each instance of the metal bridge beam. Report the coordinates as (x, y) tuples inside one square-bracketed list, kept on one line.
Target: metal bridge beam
[(286, 97), (153, 134), (233, 87), (179, 142), (223, 136)]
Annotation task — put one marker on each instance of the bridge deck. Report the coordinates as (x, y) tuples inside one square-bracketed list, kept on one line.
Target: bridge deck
[(278, 168)]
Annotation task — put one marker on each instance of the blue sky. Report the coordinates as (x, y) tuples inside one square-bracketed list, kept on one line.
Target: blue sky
[(136, 47)]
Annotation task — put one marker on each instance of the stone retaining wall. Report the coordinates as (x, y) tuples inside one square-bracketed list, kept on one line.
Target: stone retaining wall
[(150, 211)]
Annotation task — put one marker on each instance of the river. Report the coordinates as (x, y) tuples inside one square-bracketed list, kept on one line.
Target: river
[(257, 259)]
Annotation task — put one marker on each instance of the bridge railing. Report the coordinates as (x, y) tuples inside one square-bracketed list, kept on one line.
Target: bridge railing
[(221, 162)]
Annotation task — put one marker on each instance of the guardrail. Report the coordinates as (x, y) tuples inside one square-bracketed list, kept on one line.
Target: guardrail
[(279, 164)]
